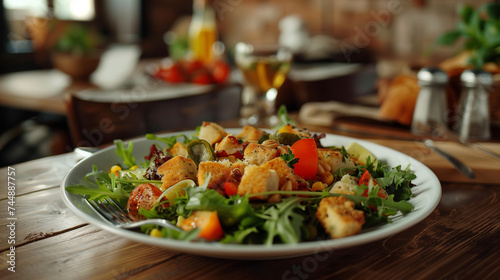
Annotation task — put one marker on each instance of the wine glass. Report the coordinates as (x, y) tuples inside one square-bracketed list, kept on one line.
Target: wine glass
[(264, 68)]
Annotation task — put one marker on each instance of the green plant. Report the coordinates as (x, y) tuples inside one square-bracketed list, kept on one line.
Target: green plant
[(76, 39), (480, 30)]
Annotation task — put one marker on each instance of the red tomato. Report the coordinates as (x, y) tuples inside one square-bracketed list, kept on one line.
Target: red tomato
[(307, 153), (201, 78), (191, 66), (172, 74), (220, 72), (230, 188), (365, 180), (207, 221), (143, 196)]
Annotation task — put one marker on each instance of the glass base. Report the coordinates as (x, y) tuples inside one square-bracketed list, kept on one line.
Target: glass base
[(256, 120)]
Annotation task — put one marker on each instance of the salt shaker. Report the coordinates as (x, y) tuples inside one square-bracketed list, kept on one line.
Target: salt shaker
[(473, 114), (431, 109)]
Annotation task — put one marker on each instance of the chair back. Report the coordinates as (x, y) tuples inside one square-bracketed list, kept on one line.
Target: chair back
[(95, 122)]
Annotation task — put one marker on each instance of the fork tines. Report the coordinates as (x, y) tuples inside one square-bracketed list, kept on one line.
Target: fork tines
[(111, 210)]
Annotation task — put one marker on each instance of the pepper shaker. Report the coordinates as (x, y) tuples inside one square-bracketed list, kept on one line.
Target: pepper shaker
[(473, 114), (431, 109)]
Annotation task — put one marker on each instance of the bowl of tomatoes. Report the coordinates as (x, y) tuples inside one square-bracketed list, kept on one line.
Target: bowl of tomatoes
[(191, 71)]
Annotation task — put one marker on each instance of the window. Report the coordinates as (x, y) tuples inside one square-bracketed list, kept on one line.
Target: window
[(63, 9), (21, 13), (74, 9)]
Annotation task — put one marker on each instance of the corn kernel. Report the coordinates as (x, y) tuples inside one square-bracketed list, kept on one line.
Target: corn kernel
[(134, 167), (317, 186), (327, 178), (155, 233), (115, 169)]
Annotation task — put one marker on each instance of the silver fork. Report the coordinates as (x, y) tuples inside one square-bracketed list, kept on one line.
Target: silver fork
[(116, 215)]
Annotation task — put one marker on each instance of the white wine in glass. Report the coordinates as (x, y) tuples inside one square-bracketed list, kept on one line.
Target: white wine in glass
[(264, 69)]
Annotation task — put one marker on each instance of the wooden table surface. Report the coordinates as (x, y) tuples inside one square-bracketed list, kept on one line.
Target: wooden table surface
[(458, 240)]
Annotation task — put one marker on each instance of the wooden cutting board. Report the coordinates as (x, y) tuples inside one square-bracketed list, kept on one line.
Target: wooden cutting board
[(485, 167)]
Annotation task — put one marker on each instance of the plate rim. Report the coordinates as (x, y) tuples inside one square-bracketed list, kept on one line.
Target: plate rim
[(276, 251)]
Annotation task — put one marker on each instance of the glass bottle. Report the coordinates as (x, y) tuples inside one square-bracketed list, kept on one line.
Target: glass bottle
[(473, 114), (202, 31), (431, 110)]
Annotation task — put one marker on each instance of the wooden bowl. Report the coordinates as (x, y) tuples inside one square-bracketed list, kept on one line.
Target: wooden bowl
[(78, 67)]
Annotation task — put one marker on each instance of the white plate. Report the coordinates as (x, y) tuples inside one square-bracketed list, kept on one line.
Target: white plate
[(427, 195)]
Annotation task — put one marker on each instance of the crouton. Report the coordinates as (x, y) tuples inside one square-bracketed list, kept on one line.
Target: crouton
[(257, 154), (236, 171), (284, 172), (229, 146), (178, 149), (218, 174), (334, 159), (250, 134), (339, 218), (258, 179), (212, 132), (346, 185), (175, 170)]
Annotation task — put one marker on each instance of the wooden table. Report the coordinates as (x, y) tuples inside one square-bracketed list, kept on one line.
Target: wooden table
[(459, 240)]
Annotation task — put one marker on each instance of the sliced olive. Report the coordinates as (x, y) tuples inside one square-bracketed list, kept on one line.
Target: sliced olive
[(285, 138), (264, 137), (200, 150)]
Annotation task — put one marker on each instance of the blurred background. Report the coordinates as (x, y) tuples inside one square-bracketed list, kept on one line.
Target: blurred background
[(391, 28), (397, 33)]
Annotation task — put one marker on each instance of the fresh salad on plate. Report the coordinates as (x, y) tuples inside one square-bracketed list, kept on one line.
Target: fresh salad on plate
[(254, 187)]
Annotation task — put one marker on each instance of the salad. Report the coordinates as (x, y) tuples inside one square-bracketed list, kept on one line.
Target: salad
[(256, 187)]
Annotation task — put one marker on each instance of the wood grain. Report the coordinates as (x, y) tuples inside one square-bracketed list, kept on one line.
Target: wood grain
[(485, 167), (459, 240), (39, 215)]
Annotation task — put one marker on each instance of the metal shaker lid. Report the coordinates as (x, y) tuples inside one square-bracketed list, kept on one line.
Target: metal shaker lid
[(473, 78), (432, 76)]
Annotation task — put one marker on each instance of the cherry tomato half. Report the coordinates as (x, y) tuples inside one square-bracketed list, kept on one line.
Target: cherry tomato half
[(207, 221), (220, 72), (307, 153)]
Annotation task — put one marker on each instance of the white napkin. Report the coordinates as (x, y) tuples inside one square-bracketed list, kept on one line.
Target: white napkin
[(324, 113), (116, 66)]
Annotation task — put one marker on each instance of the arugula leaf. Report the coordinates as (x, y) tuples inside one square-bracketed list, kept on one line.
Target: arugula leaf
[(107, 186), (386, 206), (230, 210), (397, 182), (239, 235), (125, 153), (282, 221), (172, 233), (289, 158), (95, 194), (170, 141), (283, 117)]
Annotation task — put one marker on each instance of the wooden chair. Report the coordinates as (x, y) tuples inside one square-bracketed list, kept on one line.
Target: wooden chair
[(96, 123)]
